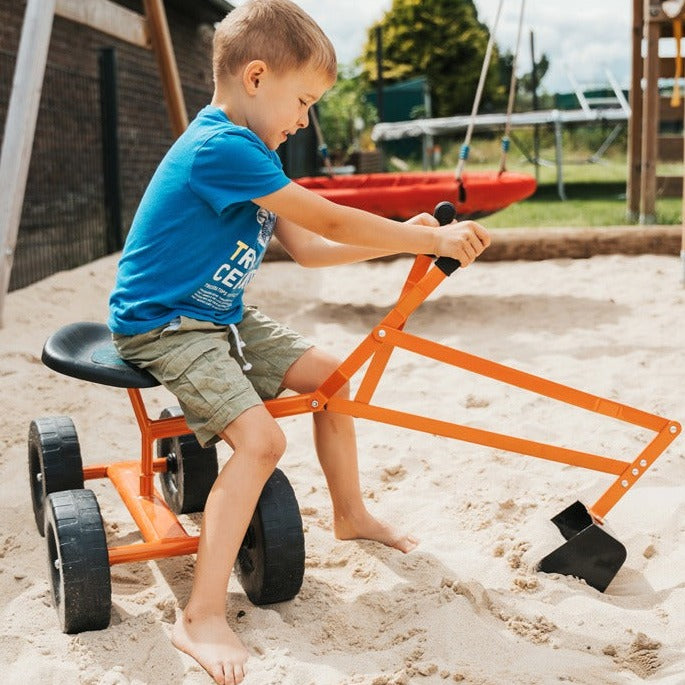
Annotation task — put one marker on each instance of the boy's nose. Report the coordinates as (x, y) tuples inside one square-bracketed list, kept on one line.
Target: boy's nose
[(303, 121)]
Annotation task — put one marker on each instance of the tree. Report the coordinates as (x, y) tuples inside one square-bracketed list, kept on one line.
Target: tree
[(343, 113), (443, 41), (524, 82)]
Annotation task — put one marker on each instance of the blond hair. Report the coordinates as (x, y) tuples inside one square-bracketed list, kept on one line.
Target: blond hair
[(276, 31)]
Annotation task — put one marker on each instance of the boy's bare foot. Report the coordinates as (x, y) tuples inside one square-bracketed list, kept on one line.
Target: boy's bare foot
[(366, 527), (214, 646)]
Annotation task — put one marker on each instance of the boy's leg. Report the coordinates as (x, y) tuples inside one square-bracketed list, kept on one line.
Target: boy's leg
[(336, 446), (202, 631)]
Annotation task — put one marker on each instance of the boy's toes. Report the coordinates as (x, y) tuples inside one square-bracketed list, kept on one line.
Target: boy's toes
[(231, 674), (406, 543), (238, 674), (221, 676)]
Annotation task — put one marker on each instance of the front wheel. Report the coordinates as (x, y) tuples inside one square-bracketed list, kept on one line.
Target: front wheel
[(270, 563), (78, 561)]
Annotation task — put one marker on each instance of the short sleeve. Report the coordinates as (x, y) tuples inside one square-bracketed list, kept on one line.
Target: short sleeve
[(230, 168)]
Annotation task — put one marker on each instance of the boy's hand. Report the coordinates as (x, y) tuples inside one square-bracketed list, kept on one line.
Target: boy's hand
[(463, 240)]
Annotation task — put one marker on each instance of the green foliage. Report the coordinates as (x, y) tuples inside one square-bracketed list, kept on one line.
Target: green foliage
[(442, 40), (524, 82), (344, 114)]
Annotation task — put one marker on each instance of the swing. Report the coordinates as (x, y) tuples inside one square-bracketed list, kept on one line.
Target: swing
[(403, 195), (270, 564)]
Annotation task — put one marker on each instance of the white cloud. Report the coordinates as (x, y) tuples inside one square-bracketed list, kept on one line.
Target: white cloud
[(346, 22), (586, 35)]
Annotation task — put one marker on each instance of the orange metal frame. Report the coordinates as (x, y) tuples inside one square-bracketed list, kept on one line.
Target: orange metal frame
[(163, 535)]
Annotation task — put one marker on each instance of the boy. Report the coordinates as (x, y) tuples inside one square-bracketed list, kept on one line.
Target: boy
[(197, 238)]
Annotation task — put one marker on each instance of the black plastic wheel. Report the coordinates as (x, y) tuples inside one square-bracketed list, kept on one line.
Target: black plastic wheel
[(270, 564), (191, 469), (54, 461), (78, 562)]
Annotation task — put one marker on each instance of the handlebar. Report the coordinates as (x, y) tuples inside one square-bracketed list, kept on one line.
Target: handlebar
[(446, 213)]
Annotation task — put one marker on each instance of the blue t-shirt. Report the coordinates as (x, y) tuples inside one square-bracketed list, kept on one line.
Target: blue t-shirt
[(197, 238)]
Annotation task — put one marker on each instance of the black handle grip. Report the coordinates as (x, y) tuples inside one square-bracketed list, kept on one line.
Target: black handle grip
[(446, 213)]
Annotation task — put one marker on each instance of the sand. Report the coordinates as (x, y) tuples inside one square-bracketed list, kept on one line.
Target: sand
[(467, 605)]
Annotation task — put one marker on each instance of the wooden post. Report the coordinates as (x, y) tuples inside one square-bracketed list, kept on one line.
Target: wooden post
[(650, 118), (20, 127), (166, 61), (682, 243), (682, 219), (635, 120)]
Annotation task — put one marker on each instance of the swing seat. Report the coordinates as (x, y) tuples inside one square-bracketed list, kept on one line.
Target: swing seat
[(85, 350), (404, 195)]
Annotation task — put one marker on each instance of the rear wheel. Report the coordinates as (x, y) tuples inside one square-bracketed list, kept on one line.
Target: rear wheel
[(78, 562), (270, 564), (54, 461), (191, 469)]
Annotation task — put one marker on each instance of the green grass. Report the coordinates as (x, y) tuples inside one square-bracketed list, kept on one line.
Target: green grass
[(595, 196), (595, 192)]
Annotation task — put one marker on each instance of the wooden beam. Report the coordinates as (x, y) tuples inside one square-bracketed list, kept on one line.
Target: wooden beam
[(20, 126), (107, 17), (166, 61), (669, 186), (670, 147), (682, 219), (650, 121), (635, 119)]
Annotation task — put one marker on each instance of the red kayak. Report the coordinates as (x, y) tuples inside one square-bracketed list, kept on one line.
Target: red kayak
[(404, 195)]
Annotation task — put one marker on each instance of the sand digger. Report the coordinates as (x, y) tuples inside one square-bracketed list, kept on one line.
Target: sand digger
[(270, 564)]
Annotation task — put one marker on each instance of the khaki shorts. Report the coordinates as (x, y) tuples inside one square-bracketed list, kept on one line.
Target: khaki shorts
[(199, 362)]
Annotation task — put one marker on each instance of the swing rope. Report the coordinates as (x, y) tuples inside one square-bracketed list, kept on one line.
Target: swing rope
[(321, 141), (506, 143), (465, 148)]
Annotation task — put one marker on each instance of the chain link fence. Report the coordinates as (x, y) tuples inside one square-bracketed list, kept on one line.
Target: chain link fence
[(62, 217), (64, 221), (98, 141)]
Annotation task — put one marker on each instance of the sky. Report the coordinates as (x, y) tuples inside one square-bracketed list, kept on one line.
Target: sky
[(581, 38)]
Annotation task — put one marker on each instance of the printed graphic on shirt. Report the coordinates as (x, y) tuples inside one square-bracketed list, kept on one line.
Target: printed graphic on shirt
[(267, 221), (225, 289)]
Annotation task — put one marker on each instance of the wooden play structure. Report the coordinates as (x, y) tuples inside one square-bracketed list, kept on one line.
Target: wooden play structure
[(149, 30), (654, 20)]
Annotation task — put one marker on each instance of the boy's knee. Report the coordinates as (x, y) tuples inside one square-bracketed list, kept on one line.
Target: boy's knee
[(267, 446), (257, 434), (271, 445)]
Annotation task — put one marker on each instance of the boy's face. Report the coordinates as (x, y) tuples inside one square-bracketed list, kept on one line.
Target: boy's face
[(281, 102)]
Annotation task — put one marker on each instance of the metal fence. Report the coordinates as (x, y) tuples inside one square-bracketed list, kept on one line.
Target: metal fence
[(98, 141), (67, 217), (62, 217)]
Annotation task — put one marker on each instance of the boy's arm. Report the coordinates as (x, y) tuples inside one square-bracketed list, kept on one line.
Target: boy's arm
[(312, 250), (463, 241)]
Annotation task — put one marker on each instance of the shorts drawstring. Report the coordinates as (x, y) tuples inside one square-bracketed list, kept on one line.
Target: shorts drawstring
[(239, 344)]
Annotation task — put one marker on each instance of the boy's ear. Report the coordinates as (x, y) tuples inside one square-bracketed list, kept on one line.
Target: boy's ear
[(252, 74)]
